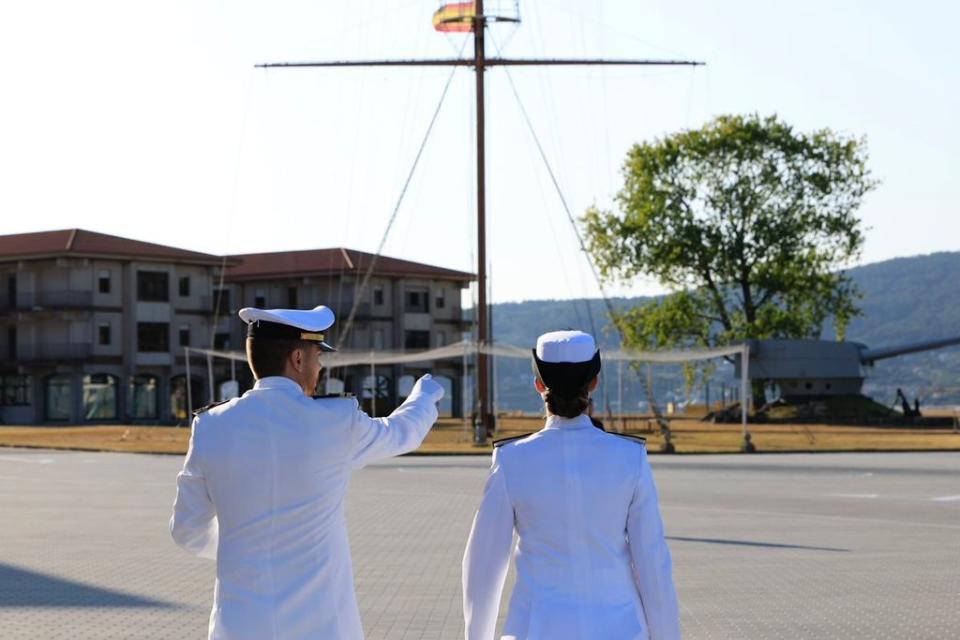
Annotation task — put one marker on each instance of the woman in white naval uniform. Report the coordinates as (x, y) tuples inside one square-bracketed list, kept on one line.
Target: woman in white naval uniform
[(591, 559), (263, 485)]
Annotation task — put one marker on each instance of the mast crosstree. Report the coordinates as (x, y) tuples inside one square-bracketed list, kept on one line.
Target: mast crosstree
[(480, 62)]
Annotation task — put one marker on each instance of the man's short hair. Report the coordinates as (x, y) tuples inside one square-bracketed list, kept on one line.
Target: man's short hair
[(268, 357)]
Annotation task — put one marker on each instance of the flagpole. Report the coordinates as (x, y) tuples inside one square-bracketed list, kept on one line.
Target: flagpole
[(486, 426)]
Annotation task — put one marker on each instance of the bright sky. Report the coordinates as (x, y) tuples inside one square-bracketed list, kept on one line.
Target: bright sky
[(148, 120)]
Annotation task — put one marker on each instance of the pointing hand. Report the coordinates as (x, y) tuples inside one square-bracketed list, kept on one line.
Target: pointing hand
[(429, 387)]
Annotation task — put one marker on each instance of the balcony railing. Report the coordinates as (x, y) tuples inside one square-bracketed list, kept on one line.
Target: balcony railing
[(46, 352), (40, 300)]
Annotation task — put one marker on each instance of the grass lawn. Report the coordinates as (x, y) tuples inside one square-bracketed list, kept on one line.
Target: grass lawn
[(451, 436)]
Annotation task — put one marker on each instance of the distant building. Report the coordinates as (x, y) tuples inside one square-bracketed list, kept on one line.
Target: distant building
[(93, 326)]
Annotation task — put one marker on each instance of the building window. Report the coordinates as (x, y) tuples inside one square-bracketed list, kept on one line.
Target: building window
[(291, 297), (99, 397), (58, 398), (179, 397), (184, 286), (103, 332), (11, 292), (378, 339), (417, 301), (221, 341), (145, 397), (221, 301), (184, 336), (153, 286), (103, 282), (374, 393), (260, 301), (441, 338), (16, 390), (12, 343), (440, 300), (153, 337), (416, 340), (378, 296)]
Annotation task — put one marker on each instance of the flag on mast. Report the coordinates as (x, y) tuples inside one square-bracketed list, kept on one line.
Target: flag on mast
[(455, 17)]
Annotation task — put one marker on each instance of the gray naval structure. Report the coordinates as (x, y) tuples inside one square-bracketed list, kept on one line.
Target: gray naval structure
[(806, 370)]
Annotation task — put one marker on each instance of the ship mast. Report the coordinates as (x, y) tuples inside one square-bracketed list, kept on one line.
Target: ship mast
[(480, 62)]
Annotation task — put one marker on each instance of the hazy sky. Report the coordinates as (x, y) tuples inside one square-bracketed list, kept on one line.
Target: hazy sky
[(148, 120)]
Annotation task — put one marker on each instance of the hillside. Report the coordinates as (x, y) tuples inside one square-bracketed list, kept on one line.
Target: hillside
[(904, 299)]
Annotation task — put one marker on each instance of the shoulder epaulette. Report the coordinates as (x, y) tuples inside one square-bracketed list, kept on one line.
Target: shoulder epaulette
[(334, 395), (206, 408), (503, 441), (629, 436)]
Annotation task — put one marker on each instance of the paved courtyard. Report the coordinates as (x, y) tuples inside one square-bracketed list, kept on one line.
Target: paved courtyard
[(769, 546)]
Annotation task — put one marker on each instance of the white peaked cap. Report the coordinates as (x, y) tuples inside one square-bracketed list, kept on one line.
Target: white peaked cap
[(319, 318), (289, 324), (566, 346)]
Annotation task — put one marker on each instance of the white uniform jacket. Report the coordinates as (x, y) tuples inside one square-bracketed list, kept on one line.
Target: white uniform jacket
[(591, 557), (262, 491)]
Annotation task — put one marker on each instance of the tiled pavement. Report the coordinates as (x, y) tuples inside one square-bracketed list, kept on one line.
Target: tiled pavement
[(779, 546)]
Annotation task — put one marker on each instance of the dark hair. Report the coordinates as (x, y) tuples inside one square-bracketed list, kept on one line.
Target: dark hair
[(268, 357), (568, 406)]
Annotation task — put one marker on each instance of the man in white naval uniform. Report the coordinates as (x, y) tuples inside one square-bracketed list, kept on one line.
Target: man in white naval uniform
[(264, 480), (592, 562)]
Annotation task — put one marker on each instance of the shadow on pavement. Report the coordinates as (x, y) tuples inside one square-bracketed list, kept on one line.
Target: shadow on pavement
[(747, 543), (24, 588)]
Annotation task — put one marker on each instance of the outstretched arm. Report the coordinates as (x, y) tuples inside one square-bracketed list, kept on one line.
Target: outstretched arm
[(194, 522), (401, 431), (652, 566), (487, 557)]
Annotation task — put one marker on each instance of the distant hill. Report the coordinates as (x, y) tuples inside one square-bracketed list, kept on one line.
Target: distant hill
[(904, 299)]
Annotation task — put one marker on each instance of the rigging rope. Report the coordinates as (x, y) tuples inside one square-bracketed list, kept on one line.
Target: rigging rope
[(231, 213), (566, 208), (606, 300), (358, 294)]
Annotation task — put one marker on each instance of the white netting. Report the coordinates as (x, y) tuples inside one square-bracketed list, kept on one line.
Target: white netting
[(460, 349)]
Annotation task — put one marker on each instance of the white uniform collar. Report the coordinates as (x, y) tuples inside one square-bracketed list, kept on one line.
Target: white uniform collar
[(558, 422), (278, 382)]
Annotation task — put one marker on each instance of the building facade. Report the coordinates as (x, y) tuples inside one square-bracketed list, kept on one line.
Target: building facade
[(405, 306), (93, 327)]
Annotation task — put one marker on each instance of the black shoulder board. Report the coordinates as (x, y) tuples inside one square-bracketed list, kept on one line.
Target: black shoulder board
[(208, 407), (503, 441), (630, 436), (334, 395)]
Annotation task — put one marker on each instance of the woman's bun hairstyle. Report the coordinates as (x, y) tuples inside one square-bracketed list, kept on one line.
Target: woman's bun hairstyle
[(568, 406)]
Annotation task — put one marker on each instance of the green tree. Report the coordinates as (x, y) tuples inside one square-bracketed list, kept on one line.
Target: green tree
[(747, 222)]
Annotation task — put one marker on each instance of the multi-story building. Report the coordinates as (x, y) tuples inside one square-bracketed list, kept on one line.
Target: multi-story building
[(93, 326)]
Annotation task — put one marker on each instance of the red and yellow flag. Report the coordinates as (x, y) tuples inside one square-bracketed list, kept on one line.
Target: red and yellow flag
[(454, 17)]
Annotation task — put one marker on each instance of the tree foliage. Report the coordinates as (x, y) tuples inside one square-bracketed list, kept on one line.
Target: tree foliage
[(746, 221)]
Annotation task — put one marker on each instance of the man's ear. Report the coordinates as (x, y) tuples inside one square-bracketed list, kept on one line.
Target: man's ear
[(296, 359), (595, 382), (538, 383)]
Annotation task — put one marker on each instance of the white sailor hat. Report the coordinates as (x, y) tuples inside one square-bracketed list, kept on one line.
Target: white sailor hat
[(289, 324), (566, 360)]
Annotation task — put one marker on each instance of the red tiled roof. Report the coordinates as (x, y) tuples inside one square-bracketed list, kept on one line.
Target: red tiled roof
[(81, 242), (261, 266), (254, 266)]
